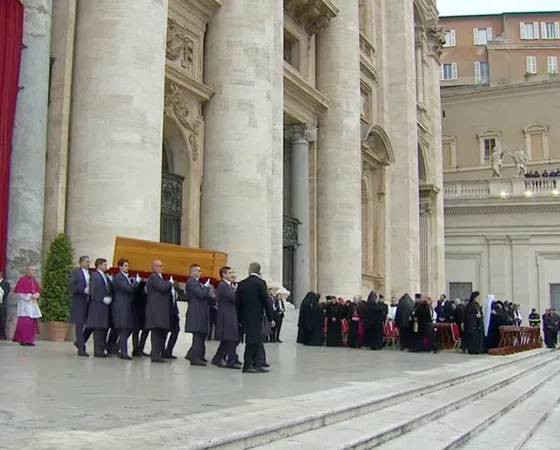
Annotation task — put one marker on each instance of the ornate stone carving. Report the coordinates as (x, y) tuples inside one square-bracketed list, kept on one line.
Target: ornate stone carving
[(301, 131), (436, 39), (290, 231), (176, 108), (425, 209), (314, 15), (179, 46)]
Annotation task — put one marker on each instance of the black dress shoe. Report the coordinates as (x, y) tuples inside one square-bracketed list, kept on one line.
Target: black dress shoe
[(231, 366), (146, 354), (158, 360), (76, 344), (262, 370), (169, 357), (250, 370), (279, 341), (218, 363), (198, 362), (266, 365), (125, 357), (83, 354), (204, 360), (100, 355)]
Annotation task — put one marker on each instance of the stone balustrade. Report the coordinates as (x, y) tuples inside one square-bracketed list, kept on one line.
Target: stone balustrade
[(518, 187)]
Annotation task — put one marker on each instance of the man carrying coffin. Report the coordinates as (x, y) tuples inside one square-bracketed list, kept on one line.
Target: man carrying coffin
[(252, 303), (227, 329), (158, 310), (79, 287), (198, 315), (121, 308), (101, 291)]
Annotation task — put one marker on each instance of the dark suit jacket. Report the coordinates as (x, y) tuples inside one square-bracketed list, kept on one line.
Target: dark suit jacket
[(121, 308), (198, 313), (4, 310), (79, 307), (227, 326), (252, 303), (98, 312), (158, 305)]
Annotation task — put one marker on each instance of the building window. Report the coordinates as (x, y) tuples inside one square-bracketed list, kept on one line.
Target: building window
[(461, 291), (366, 105), (450, 39), (529, 30), (536, 141), (482, 36), (449, 150), (531, 63), (488, 141), (449, 71), (552, 64), (550, 30), (481, 72), (292, 50)]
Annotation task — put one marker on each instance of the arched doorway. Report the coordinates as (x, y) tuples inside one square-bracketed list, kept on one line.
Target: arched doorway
[(171, 199)]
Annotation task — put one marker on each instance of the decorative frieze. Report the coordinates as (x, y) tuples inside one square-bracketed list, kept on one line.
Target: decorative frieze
[(314, 15), (301, 131), (180, 48), (188, 118)]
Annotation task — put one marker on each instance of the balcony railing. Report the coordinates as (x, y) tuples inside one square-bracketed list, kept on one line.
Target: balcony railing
[(541, 187)]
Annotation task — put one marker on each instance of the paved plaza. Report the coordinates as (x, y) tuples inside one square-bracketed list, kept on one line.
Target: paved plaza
[(48, 391)]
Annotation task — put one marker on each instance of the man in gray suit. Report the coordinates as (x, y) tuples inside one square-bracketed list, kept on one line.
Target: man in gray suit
[(158, 310), (227, 325), (101, 291), (198, 315), (79, 287)]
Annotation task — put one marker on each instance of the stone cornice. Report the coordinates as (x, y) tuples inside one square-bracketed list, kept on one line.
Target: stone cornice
[(497, 209), (495, 92), (532, 45), (203, 9), (302, 101), (429, 191), (313, 15), (198, 90)]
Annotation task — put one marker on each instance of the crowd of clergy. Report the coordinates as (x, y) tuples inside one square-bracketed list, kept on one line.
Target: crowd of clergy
[(368, 323)]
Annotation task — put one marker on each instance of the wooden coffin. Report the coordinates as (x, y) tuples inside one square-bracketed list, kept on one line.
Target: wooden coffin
[(175, 258)]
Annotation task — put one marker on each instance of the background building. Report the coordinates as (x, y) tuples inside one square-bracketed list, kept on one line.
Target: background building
[(502, 235)]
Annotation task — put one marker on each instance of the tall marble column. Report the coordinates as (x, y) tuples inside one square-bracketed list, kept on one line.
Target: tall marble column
[(300, 136), (403, 173), (29, 145), (243, 134), (114, 176), (425, 250), (339, 158)]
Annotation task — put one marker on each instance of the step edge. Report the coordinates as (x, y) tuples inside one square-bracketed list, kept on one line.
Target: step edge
[(537, 425)]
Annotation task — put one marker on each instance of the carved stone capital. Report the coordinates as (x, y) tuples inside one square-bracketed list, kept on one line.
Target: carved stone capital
[(314, 15), (179, 47), (301, 131), (186, 116), (425, 209), (436, 39)]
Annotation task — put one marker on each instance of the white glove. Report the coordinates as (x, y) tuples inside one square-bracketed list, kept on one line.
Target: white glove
[(207, 282), (138, 279), (171, 280), (86, 290), (107, 300)]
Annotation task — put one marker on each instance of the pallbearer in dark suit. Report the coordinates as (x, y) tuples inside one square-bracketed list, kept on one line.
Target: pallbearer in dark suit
[(158, 310), (174, 324), (79, 287), (198, 315), (121, 308), (227, 325), (252, 302), (100, 290), (140, 333)]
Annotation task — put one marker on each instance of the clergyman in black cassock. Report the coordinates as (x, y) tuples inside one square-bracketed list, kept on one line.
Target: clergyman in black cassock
[(252, 302), (79, 287), (158, 310), (405, 306), (473, 326), (121, 308), (334, 316), (100, 289), (227, 325)]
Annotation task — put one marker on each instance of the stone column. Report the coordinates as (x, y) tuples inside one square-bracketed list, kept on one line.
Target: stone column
[(114, 176), (339, 158), (419, 45), (425, 250), (403, 173), (243, 135), (29, 145), (300, 136)]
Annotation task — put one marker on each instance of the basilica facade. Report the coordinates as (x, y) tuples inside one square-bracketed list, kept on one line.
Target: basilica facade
[(305, 135)]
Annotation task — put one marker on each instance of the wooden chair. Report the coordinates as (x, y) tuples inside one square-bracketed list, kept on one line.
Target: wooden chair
[(456, 336)]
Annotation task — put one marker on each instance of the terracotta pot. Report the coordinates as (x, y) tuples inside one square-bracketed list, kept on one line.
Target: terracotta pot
[(57, 331)]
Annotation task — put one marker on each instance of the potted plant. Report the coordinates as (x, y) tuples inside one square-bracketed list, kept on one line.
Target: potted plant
[(55, 297)]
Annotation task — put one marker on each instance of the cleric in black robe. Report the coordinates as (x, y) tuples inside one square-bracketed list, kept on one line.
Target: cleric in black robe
[(498, 318), (314, 321), (303, 315), (402, 320), (334, 315), (353, 325), (473, 326), (373, 323), (424, 339)]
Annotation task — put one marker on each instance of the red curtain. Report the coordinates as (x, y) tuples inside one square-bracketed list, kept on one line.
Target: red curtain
[(11, 35)]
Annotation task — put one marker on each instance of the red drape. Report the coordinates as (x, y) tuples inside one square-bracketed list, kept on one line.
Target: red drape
[(11, 34)]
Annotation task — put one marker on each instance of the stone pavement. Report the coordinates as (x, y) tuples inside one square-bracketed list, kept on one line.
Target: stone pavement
[(48, 389)]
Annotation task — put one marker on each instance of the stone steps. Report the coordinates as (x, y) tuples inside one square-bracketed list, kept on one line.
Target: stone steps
[(262, 422), (545, 437), (424, 420)]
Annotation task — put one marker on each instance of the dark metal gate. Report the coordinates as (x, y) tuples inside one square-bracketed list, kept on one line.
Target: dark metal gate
[(290, 242), (171, 208)]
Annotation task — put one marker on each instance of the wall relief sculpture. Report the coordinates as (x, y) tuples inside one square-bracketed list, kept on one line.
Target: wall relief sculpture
[(179, 46), (177, 108), (436, 38), (314, 15)]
